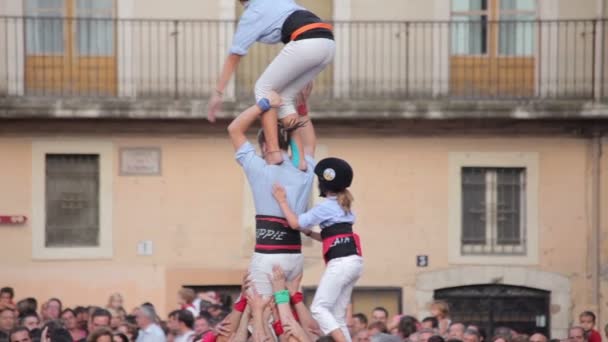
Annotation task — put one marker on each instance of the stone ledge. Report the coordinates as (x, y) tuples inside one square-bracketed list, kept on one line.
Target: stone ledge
[(440, 109)]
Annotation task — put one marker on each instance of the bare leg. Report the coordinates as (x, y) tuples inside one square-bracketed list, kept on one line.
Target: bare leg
[(288, 121), (271, 133)]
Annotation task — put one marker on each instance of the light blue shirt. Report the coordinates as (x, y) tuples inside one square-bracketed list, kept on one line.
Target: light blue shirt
[(261, 177), (262, 21), (324, 215)]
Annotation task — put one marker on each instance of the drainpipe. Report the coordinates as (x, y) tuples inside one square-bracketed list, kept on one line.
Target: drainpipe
[(596, 218)]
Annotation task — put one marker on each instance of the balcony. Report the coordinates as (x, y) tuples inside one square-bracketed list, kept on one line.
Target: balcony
[(115, 63)]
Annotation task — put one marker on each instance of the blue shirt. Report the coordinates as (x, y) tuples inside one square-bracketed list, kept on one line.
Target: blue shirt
[(262, 22), (261, 177), (324, 215)]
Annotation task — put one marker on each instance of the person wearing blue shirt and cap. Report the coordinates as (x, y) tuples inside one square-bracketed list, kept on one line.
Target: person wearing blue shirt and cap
[(341, 246)]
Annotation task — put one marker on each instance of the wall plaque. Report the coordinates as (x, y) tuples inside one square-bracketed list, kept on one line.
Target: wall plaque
[(140, 161)]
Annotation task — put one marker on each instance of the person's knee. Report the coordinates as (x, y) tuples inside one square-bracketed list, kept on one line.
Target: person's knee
[(261, 89)]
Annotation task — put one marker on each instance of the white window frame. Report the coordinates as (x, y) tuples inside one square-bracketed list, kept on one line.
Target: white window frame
[(103, 148), (526, 160)]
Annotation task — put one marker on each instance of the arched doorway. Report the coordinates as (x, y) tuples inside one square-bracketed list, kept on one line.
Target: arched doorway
[(556, 285), (526, 310)]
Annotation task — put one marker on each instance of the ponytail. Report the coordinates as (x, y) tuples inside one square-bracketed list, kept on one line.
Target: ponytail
[(345, 200)]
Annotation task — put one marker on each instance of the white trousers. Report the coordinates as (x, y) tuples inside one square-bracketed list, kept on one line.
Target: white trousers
[(334, 292), (298, 63), (261, 265)]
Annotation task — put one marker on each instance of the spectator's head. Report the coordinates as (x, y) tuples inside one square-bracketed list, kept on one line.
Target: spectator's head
[(577, 334), (120, 337), (6, 295), (27, 305), (456, 331), (436, 338), (181, 321), (145, 316), (380, 314), (20, 334), (362, 336), (185, 296), (425, 334), (51, 309), (376, 328), (500, 339), (202, 323), (30, 320), (100, 318), (407, 326), (115, 301), (587, 320), (101, 335), (215, 310), (505, 333), (69, 319), (82, 317), (440, 309), (118, 316), (7, 319), (538, 337), (128, 329), (56, 332), (430, 323), (385, 338), (359, 323), (471, 335), (481, 331)]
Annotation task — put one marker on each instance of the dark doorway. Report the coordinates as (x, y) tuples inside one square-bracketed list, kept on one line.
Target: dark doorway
[(523, 309)]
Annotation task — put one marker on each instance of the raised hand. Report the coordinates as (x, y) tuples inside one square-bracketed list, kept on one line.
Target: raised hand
[(278, 279), (215, 103), (294, 285)]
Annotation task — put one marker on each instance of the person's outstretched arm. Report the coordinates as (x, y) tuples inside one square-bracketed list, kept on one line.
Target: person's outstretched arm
[(246, 34)]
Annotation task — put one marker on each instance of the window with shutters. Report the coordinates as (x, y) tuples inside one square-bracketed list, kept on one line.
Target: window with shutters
[(72, 199), (493, 210), (493, 207)]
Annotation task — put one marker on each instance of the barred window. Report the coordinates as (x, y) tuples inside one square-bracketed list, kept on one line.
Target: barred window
[(493, 211), (72, 200)]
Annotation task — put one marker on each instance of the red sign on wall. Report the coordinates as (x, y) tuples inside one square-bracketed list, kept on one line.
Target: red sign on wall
[(12, 219)]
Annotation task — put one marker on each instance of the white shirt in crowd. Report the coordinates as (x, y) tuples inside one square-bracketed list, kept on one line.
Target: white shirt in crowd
[(187, 337), (152, 333)]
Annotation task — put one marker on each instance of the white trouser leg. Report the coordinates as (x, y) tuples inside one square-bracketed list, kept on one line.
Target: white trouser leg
[(261, 267), (298, 63), (334, 291)]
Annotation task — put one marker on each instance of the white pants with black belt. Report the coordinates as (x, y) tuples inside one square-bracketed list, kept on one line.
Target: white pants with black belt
[(334, 292), (298, 63)]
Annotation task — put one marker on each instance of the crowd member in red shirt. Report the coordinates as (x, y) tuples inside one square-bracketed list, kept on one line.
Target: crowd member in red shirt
[(587, 321)]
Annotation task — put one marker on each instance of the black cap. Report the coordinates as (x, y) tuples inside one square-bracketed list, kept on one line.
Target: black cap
[(334, 174)]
